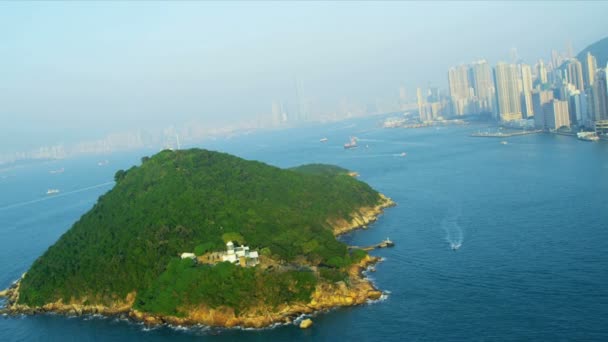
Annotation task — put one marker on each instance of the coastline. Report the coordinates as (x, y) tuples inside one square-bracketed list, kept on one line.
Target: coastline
[(361, 218), (356, 291)]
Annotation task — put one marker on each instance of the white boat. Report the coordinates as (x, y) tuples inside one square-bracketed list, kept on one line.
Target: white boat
[(587, 136), (352, 143), (57, 171), (403, 154), (323, 140), (504, 142), (103, 163), (52, 191)]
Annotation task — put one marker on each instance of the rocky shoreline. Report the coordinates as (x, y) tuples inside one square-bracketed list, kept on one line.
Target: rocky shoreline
[(359, 290), (362, 217)]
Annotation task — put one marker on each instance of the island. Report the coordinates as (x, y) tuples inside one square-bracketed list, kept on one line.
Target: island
[(203, 237)]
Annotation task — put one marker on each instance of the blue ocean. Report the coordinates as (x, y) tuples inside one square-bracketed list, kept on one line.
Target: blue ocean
[(530, 216)]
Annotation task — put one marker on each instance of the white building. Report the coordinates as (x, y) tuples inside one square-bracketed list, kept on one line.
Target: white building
[(240, 254), (188, 256)]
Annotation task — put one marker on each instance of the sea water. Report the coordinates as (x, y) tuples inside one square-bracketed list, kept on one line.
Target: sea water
[(530, 220)]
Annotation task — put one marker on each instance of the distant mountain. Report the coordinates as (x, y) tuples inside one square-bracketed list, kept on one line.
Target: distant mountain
[(599, 49)]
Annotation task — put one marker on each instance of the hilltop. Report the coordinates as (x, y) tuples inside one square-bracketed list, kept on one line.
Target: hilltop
[(599, 49), (122, 256)]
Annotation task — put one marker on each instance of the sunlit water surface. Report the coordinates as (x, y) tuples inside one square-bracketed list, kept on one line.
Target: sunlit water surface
[(530, 219)]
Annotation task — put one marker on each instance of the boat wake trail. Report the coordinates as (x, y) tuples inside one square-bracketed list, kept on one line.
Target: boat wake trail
[(453, 232), (15, 205)]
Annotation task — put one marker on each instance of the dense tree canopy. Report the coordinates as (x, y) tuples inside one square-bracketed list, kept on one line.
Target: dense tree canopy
[(191, 200)]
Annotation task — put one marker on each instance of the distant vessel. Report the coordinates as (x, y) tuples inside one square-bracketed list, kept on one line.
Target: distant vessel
[(587, 136), (455, 246), (403, 154), (504, 142), (352, 143), (323, 140), (52, 191), (57, 171), (103, 163), (393, 122)]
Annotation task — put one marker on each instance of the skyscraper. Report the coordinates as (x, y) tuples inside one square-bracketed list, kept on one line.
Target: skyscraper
[(526, 89), (589, 69), (542, 72), (600, 96), (421, 105), (483, 86), (556, 114), (574, 74), (507, 92), (539, 99), (459, 88)]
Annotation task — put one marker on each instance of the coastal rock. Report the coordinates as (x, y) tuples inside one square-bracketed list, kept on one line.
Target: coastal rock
[(305, 324), (374, 295), (3, 293), (361, 218)]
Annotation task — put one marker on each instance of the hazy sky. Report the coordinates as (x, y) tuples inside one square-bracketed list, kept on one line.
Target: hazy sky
[(70, 68)]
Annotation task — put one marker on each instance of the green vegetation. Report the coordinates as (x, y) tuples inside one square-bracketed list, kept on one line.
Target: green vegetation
[(185, 283), (192, 201), (321, 169)]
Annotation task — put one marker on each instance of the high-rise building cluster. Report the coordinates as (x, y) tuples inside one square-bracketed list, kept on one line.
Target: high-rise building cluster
[(564, 92)]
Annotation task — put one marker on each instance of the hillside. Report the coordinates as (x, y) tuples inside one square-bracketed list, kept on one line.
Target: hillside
[(599, 49), (128, 244)]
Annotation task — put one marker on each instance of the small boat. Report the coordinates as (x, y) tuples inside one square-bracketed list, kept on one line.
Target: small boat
[(587, 136), (57, 171), (52, 191), (352, 143), (103, 163), (504, 142), (323, 140), (403, 154)]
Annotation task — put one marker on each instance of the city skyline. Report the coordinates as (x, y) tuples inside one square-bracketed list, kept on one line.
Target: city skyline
[(64, 86)]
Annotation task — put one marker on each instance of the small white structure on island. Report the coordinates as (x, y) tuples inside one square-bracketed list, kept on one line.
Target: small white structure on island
[(240, 255), (188, 256)]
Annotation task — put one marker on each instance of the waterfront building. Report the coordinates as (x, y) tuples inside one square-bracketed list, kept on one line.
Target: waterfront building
[(577, 106), (600, 96), (458, 80), (601, 127), (526, 90), (423, 112), (483, 86), (507, 92), (556, 114), (539, 99)]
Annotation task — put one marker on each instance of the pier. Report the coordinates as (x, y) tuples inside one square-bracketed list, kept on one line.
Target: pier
[(384, 244), (502, 134)]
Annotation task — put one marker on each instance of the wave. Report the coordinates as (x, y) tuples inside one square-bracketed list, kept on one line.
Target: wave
[(454, 234), (21, 204)]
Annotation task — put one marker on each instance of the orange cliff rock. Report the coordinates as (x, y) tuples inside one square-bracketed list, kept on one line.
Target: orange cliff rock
[(361, 218)]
